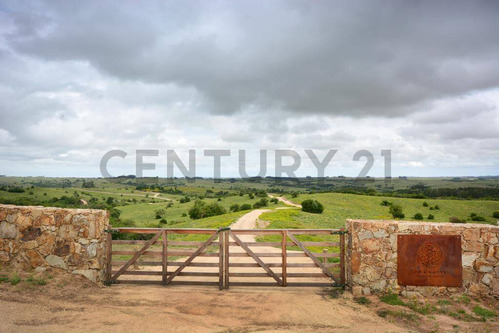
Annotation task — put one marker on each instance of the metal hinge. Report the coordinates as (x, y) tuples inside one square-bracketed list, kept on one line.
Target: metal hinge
[(339, 232), (112, 231), (111, 282), (223, 229)]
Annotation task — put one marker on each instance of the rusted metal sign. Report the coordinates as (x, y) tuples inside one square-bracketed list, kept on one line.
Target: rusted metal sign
[(430, 260)]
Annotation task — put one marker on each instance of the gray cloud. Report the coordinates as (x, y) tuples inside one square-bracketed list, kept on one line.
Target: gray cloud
[(420, 78), (356, 58)]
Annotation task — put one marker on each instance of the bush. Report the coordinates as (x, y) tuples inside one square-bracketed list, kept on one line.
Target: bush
[(274, 200), (455, 219), (312, 206), (425, 204), (430, 217), (250, 195), (295, 194), (495, 214), (418, 216), (201, 210), (385, 203), (436, 207), (396, 211), (15, 190), (185, 199), (234, 208), (477, 218), (261, 203), (245, 207), (163, 221)]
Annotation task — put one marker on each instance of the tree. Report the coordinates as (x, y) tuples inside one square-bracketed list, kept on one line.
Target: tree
[(261, 203), (201, 210), (396, 211), (245, 207), (312, 206)]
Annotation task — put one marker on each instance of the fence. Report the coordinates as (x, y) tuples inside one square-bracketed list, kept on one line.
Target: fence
[(227, 257)]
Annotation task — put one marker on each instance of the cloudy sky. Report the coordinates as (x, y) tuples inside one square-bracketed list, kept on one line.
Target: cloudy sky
[(80, 78)]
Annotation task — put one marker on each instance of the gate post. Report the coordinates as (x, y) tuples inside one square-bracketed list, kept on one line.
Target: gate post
[(109, 257), (164, 257), (221, 259), (226, 259), (342, 257), (283, 257)]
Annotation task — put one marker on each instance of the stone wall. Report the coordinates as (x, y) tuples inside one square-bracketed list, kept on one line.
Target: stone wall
[(372, 257), (70, 239)]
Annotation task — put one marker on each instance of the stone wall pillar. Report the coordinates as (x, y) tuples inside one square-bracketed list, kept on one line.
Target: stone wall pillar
[(69, 239), (371, 264)]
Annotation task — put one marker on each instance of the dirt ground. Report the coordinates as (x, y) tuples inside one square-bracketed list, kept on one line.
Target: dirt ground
[(73, 304), (79, 306)]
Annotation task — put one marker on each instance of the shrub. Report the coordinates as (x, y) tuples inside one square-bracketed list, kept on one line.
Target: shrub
[(295, 194), (418, 216), (475, 217), (425, 204), (245, 207), (261, 203), (201, 210), (274, 200), (430, 217), (362, 300), (250, 195), (455, 219), (482, 312), (396, 211), (436, 207), (392, 299), (185, 199), (385, 203), (163, 221), (15, 190), (234, 208), (312, 206)]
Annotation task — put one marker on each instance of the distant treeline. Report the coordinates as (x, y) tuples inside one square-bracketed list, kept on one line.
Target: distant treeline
[(423, 192)]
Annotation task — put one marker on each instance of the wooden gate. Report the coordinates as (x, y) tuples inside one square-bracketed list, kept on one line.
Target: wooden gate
[(225, 257)]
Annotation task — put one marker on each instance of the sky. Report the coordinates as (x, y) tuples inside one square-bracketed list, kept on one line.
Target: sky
[(81, 78)]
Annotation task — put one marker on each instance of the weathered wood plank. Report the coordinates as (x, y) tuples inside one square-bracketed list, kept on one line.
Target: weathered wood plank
[(191, 258), (226, 259), (109, 256), (283, 256), (313, 258), (221, 261), (146, 253), (342, 258), (136, 256), (277, 244), (165, 256), (256, 258), (194, 264), (138, 262)]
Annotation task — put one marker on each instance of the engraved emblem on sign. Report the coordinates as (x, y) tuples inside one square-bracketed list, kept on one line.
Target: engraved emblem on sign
[(429, 255)]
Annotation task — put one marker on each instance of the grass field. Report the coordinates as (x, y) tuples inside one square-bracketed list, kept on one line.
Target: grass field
[(339, 207)]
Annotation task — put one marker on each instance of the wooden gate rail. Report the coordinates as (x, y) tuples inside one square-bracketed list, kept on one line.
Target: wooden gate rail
[(220, 242)]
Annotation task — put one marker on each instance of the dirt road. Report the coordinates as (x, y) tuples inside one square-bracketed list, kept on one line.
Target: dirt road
[(286, 201)]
